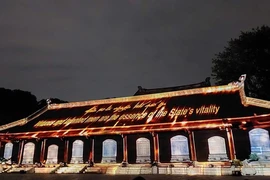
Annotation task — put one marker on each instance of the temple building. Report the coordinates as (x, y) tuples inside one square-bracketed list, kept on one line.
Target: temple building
[(193, 123)]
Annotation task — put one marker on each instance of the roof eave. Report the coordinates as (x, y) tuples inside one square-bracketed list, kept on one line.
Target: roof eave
[(24, 121)]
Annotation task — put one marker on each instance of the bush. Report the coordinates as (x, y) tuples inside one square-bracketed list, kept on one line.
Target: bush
[(237, 162)]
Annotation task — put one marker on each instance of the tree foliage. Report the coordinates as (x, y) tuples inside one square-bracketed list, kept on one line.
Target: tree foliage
[(17, 104), (248, 54)]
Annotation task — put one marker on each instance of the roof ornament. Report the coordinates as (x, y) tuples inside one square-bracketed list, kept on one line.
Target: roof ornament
[(48, 101), (141, 89), (240, 81), (207, 81), (242, 78)]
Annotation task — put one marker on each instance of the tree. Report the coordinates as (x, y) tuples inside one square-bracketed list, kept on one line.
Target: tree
[(248, 54), (17, 104)]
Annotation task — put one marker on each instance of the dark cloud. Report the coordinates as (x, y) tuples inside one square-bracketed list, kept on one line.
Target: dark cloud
[(79, 50)]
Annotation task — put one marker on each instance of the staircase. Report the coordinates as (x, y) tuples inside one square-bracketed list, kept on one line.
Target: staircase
[(117, 169), (71, 169), (94, 170), (5, 168), (100, 168), (47, 169), (21, 170)]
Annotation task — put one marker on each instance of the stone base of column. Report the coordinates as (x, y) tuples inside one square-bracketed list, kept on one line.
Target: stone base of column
[(155, 163), (91, 163), (65, 164), (124, 164)]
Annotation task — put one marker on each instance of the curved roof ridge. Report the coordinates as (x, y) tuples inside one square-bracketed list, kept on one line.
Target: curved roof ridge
[(142, 91), (204, 90)]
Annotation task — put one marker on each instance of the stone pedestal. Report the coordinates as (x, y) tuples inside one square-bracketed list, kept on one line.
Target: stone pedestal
[(108, 160), (143, 159), (264, 156), (124, 164), (51, 161), (218, 157), (180, 158), (27, 161)]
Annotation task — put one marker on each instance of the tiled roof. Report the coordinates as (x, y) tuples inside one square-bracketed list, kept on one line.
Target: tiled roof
[(142, 91)]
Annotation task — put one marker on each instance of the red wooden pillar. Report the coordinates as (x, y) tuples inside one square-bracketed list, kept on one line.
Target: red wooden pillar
[(125, 150), (42, 152), (156, 148), (231, 143), (20, 153), (66, 151), (92, 152), (1, 149), (192, 145)]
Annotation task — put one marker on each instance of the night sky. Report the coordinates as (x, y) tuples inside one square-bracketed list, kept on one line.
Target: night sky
[(80, 50)]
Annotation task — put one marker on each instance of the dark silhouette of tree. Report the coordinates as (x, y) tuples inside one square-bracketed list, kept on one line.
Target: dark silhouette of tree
[(17, 104), (248, 54)]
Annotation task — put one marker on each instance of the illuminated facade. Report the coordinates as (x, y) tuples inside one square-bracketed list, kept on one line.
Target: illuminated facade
[(216, 124)]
